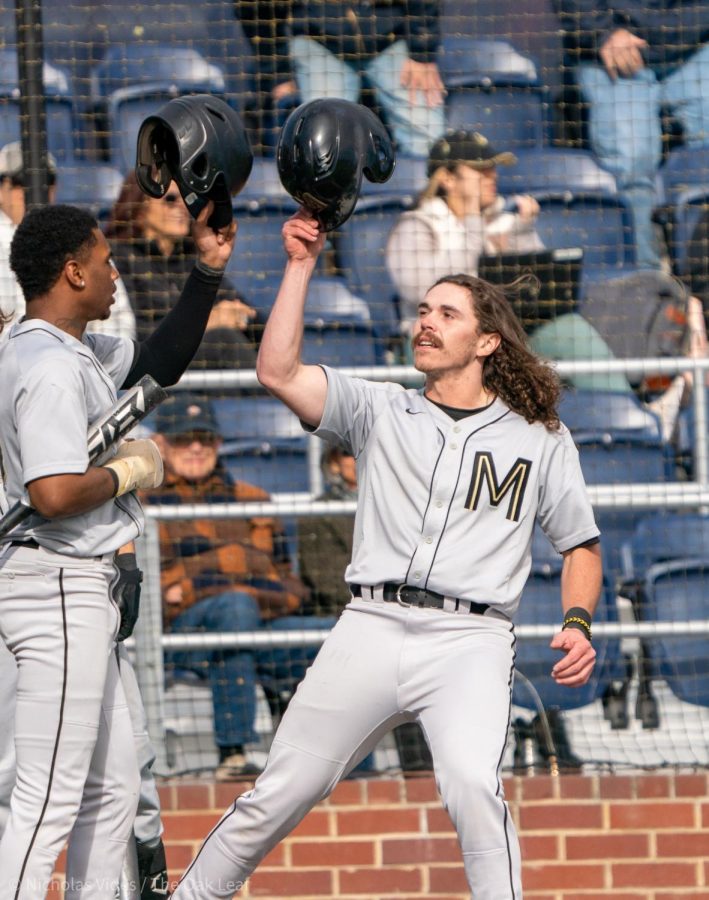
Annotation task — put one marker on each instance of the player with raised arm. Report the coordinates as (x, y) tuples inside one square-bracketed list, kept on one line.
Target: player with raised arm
[(451, 480), (77, 773)]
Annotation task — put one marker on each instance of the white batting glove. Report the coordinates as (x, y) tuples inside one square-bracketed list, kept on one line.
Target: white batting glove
[(136, 465)]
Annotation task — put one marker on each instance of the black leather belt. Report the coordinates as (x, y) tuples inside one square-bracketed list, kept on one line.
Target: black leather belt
[(31, 543), (406, 595)]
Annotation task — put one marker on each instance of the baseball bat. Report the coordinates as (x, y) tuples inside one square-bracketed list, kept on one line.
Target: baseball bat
[(131, 408)]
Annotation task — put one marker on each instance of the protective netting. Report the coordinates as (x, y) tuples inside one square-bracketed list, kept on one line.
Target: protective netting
[(618, 249)]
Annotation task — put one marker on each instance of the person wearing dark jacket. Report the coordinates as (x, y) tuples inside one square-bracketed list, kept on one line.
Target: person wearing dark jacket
[(633, 58), (332, 45), (152, 250)]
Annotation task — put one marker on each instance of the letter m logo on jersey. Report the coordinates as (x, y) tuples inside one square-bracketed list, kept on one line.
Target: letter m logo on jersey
[(514, 483)]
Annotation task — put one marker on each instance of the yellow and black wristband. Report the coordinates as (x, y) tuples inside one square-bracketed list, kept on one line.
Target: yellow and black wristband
[(578, 617)]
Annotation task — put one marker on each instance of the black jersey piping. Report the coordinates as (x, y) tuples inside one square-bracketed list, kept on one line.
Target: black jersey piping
[(430, 495), (460, 468), (56, 739), (506, 814)]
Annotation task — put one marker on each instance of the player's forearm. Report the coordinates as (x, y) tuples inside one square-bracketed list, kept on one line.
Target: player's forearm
[(581, 578), (167, 352), (279, 357), (57, 496)]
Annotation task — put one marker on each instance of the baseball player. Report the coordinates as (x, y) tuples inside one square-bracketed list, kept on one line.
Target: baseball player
[(451, 480), (77, 774)]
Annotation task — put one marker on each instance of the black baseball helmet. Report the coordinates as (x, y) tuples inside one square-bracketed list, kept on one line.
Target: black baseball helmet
[(323, 149), (199, 142)]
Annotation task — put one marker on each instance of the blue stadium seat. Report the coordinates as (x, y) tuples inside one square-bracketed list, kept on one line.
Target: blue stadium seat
[(678, 591), (339, 344), (256, 267), (685, 185), (331, 301), (600, 223), (664, 537), (621, 457), (495, 89), (361, 247), (279, 465), (93, 186), (541, 605), (255, 417), (586, 412), (59, 106), (134, 80), (546, 169), (407, 181)]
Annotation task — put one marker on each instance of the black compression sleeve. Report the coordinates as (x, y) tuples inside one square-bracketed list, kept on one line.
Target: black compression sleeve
[(167, 352)]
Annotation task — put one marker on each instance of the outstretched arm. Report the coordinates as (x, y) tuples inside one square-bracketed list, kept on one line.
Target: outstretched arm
[(279, 367), (167, 352), (581, 579)]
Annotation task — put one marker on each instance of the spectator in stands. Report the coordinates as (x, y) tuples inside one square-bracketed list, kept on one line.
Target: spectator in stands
[(152, 251), (12, 211), (332, 45), (265, 25), (325, 542), (698, 263), (458, 217), (225, 575), (633, 59)]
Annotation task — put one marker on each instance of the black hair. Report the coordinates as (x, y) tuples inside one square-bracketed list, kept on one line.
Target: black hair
[(45, 239)]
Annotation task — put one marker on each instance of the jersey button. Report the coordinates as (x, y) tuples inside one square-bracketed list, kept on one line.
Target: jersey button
[(457, 429), (417, 576), (429, 540), (439, 503), (454, 446)]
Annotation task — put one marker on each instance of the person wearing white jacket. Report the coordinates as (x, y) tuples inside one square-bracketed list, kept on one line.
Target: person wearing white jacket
[(459, 217)]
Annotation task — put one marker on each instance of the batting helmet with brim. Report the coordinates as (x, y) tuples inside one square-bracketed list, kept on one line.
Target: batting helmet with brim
[(199, 142), (324, 148)]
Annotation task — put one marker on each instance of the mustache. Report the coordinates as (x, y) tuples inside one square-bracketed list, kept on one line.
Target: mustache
[(429, 338)]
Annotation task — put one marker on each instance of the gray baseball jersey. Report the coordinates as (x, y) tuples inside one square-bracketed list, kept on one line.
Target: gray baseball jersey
[(54, 385), (450, 506)]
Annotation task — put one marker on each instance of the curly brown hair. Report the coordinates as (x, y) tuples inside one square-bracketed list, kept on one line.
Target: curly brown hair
[(526, 383)]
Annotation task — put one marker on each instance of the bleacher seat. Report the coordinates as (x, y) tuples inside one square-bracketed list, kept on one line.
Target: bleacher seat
[(685, 185), (339, 344), (406, 182), (587, 412), (93, 186), (278, 465), (678, 591), (361, 248), (257, 266), (541, 605), (134, 80), (59, 106), (621, 457), (494, 89), (555, 169), (600, 223), (252, 417)]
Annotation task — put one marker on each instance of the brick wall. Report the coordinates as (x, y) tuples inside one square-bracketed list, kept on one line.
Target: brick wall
[(642, 837)]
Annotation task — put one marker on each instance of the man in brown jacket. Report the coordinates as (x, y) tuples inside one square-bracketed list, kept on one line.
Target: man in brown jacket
[(225, 575)]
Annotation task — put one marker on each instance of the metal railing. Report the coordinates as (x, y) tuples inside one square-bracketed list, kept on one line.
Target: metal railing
[(150, 642)]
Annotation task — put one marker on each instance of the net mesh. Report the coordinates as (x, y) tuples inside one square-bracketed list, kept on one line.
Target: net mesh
[(564, 211)]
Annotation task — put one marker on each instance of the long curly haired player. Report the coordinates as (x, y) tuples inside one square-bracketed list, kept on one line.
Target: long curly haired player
[(451, 480)]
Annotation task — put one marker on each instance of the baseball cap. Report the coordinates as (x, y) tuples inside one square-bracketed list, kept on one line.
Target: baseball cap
[(183, 413), (12, 164), (468, 147)]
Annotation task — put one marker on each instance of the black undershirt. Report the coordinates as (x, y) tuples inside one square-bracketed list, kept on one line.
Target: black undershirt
[(457, 414)]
